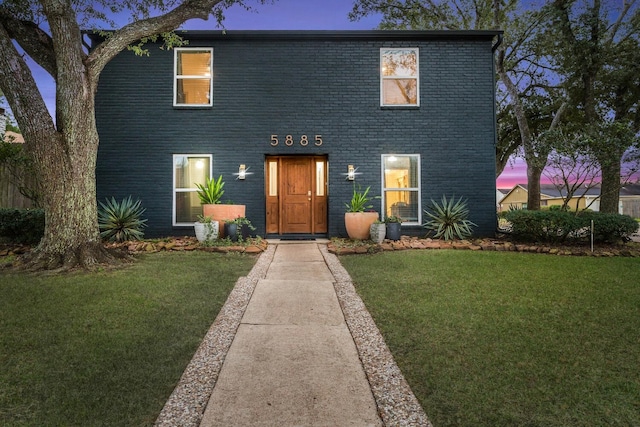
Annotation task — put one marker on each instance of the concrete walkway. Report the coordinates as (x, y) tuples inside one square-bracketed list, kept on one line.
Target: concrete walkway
[(293, 360), (293, 345)]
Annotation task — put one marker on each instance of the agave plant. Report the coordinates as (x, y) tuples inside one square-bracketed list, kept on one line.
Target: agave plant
[(120, 221), (448, 219)]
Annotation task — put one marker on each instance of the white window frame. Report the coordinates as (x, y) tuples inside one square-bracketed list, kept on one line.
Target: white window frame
[(184, 190), (418, 189), (417, 77), (177, 77)]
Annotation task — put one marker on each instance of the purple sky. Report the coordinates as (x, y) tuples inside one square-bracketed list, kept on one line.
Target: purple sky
[(292, 15)]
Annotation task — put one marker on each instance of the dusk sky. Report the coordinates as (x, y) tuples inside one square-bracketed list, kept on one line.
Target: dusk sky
[(294, 15)]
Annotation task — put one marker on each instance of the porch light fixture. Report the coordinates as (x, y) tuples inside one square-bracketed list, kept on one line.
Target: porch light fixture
[(242, 172), (351, 173)]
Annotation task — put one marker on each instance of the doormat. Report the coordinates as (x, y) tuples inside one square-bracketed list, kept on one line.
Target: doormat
[(297, 238)]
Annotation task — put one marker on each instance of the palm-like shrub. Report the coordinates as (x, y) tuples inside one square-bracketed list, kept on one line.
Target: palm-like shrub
[(211, 191), (121, 221), (448, 219)]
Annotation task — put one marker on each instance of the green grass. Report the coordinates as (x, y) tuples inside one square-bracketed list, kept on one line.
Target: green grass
[(509, 339), (106, 348)]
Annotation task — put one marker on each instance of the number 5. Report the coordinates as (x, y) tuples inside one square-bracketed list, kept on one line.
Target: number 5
[(318, 140), (274, 140)]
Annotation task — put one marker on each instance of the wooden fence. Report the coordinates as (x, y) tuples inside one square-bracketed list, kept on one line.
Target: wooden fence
[(10, 196)]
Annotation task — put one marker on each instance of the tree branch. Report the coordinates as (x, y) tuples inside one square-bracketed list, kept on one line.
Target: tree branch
[(135, 31), (35, 42)]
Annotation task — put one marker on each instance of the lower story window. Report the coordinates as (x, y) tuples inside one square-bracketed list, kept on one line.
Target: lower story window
[(401, 187), (188, 170)]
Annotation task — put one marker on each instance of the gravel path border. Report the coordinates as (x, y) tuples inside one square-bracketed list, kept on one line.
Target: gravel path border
[(397, 405), (189, 399)]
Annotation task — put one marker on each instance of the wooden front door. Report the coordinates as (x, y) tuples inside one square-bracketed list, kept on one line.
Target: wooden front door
[(296, 195)]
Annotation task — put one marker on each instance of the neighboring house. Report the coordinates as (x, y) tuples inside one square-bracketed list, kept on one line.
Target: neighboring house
[(582, 198), (14, 137), (410, 113), (630, 200), (500, 194)]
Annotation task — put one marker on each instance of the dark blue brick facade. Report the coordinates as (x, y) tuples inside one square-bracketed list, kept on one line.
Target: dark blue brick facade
[(302, 83)]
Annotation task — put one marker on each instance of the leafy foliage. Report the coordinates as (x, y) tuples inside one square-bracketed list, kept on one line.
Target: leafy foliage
[(121, 221), (22, 225), (211, 191), (359, 200), (559, 226), (449, 220)]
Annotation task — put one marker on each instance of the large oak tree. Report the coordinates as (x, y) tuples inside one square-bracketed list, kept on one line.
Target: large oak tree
[(594, 47), (64, 149)]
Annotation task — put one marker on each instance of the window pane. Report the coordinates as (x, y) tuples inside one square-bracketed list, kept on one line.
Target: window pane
[(403, 204), (193, 91), (191, 170), (194, 63), (273, 178), (400, 91), (320, 178), (188, 206), (401, 172), (400, 63)]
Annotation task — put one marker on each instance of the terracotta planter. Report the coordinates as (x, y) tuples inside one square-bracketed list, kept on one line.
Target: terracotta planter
[(222, 213), (358, 224)]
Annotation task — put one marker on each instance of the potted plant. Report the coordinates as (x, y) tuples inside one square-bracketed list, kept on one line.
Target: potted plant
[(394, 224), (356, 220), (377, 231), (231, 230), (206, 229), (210, 192), (245, 227), (212, 206)]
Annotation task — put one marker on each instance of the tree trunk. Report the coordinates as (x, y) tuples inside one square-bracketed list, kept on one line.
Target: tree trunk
[(67, 167), (610, 187), (533, 186)]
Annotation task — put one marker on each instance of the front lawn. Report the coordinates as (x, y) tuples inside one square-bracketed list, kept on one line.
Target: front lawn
[(106, 348), (510, 339)]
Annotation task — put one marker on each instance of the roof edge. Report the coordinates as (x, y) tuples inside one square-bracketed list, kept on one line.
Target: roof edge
[(331, 34)]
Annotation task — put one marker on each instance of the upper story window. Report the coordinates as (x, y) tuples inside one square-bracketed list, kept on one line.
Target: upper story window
[(193, 85), (399, 85)]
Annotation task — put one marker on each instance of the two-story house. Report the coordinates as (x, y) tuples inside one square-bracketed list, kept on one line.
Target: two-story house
[(293, 119)]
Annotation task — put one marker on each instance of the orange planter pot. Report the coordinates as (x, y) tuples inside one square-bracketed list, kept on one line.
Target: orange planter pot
[(222, 213), (359, 223)]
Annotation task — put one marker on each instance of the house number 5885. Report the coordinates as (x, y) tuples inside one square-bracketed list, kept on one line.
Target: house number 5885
[(289, 140)]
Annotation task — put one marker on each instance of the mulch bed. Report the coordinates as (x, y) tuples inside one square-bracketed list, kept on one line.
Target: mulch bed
[(252, 246), (347, 247)]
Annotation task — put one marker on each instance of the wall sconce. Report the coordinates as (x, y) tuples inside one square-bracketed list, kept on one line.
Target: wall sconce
[(351, 173), (242, 172)]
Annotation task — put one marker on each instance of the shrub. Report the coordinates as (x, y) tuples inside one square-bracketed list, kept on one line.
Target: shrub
[(22, 225), (559, 226), (542, 226), (120, 221), (610, 228), (449, 219)]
